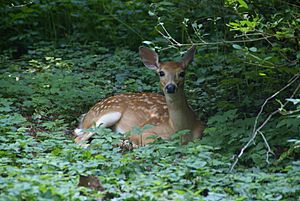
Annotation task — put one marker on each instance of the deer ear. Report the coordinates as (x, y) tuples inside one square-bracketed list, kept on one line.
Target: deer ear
[(149, 58), (188, 56)]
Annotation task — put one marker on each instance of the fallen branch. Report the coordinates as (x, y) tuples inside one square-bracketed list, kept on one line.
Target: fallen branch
[(257, 130)]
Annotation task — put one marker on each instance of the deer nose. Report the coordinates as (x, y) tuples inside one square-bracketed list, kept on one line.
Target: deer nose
[(170, 88)]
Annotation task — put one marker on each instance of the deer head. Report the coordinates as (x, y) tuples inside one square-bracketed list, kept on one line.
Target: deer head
[(171, 73)]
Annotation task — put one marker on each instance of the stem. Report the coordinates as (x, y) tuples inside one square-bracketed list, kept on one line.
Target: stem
[(268, 147)]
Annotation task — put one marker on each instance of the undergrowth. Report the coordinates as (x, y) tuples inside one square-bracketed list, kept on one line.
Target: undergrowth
[(44, 93)]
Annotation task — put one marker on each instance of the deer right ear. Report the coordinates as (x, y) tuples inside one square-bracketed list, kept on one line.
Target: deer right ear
[(149, 58)]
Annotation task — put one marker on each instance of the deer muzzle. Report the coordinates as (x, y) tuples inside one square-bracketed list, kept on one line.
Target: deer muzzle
[(170, 88)]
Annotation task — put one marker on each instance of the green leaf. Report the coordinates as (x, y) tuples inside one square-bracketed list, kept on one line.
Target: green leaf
[(262, 74), (294, 101), (147, 42), (253, 49), (243, 4), (236, 46)]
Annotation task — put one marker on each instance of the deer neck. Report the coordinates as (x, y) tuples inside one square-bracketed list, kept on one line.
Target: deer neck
[(181, 115)]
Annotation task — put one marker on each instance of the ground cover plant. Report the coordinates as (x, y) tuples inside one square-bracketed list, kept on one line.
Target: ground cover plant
[(43, 98), (56, 62)]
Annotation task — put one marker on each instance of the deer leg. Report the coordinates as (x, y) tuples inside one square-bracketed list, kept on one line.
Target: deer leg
[(142, 139)]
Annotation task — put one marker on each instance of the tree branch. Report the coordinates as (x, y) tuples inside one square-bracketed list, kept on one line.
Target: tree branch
[(168, 37), (257, 130)]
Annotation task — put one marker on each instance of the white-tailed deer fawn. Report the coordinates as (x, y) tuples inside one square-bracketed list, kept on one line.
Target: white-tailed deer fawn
[(168, 114)]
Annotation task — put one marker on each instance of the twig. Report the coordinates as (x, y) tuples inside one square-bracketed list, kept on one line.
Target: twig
[(289, 112), (291, 4), (257, 130), (285, 57), (260, 65), (268, 147), (167, 36), (163, 35)]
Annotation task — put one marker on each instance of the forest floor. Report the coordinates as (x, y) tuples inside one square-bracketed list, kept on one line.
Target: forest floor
[(42, 97)]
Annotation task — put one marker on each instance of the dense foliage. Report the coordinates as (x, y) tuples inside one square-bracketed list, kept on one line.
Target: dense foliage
[(59, 57)]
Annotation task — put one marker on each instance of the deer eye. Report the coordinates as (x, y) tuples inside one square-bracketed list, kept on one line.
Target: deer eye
[(161, 73), (181, 74)]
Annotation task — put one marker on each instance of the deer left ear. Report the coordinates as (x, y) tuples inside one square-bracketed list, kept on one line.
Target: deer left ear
[(188, 56)]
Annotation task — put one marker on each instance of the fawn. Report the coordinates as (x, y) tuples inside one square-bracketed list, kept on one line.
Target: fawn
[(168, 114)]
